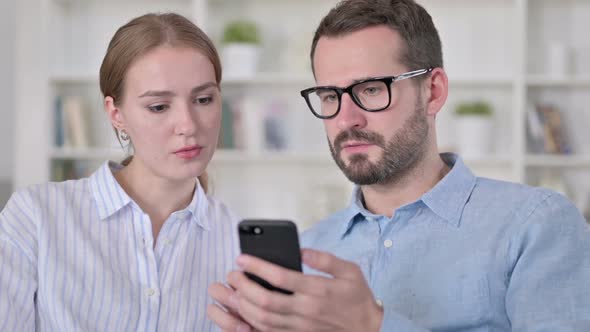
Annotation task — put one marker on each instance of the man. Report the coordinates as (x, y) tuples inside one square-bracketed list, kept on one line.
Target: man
[(424, 244)]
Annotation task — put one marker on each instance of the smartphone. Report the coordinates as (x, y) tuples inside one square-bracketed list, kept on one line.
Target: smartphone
[(275, 241)]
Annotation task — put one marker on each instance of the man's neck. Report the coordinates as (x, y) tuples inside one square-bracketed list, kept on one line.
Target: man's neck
[(384, 199)]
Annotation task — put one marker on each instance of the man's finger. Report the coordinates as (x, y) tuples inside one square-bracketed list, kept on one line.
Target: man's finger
[(225, 320), (260, 296), (330, 264), (276, 275), (223, 295)]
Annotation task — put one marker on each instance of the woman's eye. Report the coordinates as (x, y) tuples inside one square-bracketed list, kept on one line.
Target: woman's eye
[(203, 100), (158, 108)]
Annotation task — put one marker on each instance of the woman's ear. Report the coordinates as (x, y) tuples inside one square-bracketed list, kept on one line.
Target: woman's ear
[(113, 112), (439, 90)]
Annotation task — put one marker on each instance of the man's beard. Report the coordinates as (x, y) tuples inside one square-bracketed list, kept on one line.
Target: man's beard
[(401, 154)]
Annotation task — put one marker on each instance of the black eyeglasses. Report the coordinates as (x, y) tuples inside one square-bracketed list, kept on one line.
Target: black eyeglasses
[(372, 94)]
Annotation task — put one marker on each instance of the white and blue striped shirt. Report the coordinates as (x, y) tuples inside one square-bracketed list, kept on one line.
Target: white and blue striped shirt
[(79, 256)]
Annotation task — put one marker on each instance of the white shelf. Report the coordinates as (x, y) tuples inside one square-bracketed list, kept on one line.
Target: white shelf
[(263, 78), (548, 81), (220, 156), (272, 79), (60, 79), (466, 81), (87, 153), (489, 161), (566, 161), (272, 157)]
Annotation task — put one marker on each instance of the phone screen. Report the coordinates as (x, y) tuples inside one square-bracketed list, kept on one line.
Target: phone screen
[(276, 241)]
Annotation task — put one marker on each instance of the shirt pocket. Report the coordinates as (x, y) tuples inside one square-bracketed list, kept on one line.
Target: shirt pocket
[(456, 298)]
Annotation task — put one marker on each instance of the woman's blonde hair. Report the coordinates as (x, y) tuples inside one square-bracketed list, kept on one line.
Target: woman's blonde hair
[(141, 35)]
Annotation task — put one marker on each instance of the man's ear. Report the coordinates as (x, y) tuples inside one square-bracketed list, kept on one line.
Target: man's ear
[(114, 114), (439, 90)]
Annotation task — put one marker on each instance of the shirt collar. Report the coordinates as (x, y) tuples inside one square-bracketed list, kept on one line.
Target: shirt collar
[(110, 196), (447, 198)]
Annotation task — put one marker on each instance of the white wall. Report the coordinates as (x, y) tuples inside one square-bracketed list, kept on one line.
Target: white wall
[(7, 31)]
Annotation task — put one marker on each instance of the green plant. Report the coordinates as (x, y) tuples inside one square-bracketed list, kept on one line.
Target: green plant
[(241, 32), (480, 108)]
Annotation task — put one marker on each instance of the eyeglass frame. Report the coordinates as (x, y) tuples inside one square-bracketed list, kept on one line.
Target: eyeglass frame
[(388, 80)]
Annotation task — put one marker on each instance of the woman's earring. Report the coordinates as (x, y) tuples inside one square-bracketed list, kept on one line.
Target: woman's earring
[(124, 135)]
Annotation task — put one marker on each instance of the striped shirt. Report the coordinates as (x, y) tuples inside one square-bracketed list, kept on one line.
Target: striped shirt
[(79, 256)]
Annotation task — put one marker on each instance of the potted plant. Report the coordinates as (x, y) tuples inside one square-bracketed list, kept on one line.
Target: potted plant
[(474, 129), (241, 49)]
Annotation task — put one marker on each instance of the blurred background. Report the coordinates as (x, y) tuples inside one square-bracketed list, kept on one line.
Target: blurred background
[(519, 75)]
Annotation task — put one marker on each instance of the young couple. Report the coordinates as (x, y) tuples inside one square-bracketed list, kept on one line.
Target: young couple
[(423, 245)]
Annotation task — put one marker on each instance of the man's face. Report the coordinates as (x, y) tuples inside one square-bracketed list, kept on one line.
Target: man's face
[(379, 147)]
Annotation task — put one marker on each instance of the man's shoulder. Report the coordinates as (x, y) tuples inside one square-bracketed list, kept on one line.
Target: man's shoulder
[(515, 202), (508, 193), (326, 229)]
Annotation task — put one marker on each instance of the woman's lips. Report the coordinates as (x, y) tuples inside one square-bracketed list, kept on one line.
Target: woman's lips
[(189, 152)]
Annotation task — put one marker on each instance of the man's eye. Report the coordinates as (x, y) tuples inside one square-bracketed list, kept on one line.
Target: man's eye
[(328, 97), (158, 108), (372, 90)]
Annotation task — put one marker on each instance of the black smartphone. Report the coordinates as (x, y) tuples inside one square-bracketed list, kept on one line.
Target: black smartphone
[(275, 241)]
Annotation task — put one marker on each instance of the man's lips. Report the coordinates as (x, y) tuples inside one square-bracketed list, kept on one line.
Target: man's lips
[(356, 146)]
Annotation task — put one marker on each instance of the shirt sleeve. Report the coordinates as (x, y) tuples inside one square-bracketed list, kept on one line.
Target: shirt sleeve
[(18, 270), (549, 257)]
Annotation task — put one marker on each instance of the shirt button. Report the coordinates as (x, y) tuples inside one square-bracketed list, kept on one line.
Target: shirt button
[(379, 303), (387, 243), (150, 292), (167, 242)]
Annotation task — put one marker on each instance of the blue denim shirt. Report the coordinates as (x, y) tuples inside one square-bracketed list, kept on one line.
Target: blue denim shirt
[(472, 254)]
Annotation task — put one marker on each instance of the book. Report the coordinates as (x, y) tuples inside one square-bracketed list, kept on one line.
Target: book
[(75, 122)]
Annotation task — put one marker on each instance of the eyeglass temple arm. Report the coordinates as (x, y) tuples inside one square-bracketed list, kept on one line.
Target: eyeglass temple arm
[(413, 74)]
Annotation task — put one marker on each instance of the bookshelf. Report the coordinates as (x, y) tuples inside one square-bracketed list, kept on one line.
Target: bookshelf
[(495, 51)]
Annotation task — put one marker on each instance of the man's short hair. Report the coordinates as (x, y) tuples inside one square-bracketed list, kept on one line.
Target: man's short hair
[(422, 47)]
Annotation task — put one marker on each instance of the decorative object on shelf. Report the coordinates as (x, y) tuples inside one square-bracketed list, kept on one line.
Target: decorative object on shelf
[(546, 130), (241, 49), (475, 129)]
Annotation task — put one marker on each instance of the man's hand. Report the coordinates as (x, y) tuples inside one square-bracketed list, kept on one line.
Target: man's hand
[(341, 303)]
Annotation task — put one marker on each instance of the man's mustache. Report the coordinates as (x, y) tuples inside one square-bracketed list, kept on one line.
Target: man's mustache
[(358, 135)]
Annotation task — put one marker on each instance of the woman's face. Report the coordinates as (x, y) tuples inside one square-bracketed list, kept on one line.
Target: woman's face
[(171, 110)]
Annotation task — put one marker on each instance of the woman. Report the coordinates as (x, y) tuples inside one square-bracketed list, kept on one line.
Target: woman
[(134, 246)]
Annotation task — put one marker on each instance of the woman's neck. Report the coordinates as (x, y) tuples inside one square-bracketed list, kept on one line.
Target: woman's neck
[(156, 196)]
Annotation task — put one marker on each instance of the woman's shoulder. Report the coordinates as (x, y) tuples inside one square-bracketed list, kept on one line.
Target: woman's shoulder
[(35, 196)]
